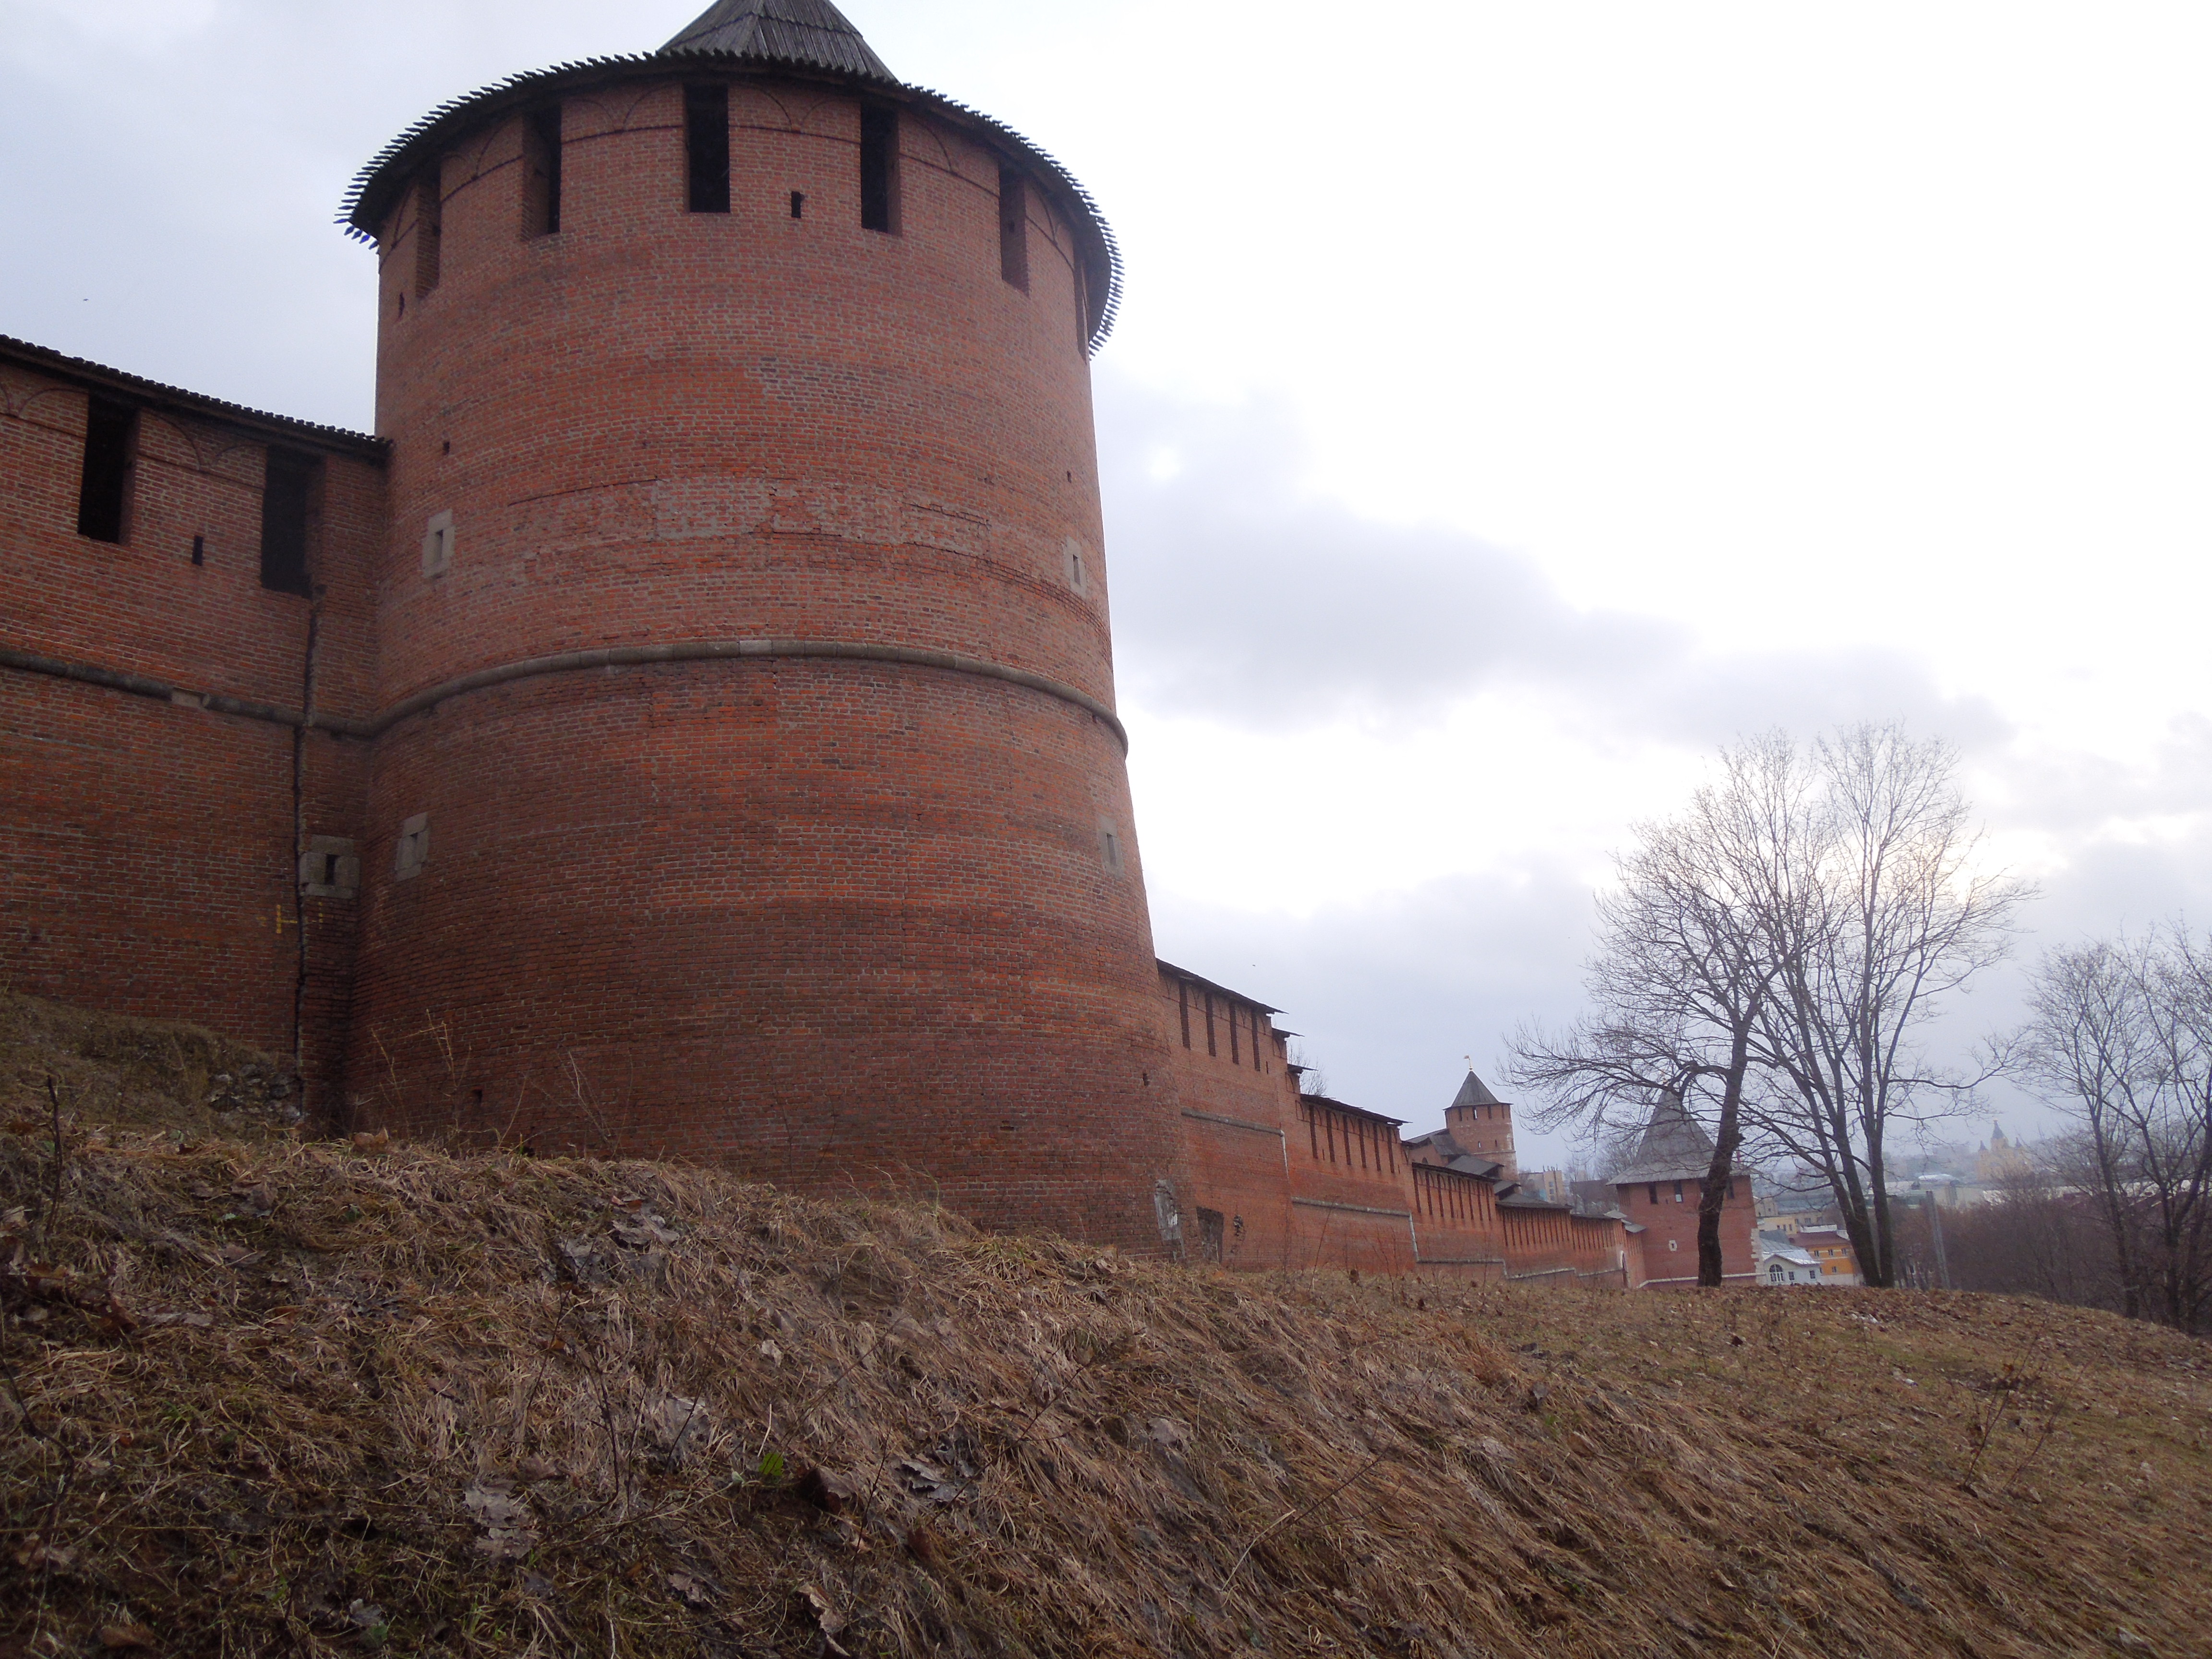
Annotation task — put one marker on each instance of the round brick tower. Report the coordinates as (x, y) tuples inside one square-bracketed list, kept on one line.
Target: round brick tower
[(749, 787)]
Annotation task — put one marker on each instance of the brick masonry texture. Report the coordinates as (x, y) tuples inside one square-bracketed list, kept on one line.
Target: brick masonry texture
[(848, 925), (1668, 1244)]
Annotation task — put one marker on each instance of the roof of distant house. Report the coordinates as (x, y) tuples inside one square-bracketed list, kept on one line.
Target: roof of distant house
[(1520, 1198)]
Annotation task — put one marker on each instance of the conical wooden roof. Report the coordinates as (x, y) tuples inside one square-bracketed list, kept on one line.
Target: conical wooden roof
[(1475, 1092), (805, 34), (1675, 1146)]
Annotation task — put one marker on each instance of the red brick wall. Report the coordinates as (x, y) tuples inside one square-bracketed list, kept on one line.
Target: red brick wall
[(147, 857), (1351, 1192), (1600, 1253), (662, 425), (845, 923), (1456, 1216), (143, 605), (1237, 1101), (1539, 1242), (1669, 1243)]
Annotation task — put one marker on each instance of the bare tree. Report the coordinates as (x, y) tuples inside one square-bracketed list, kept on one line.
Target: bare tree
[(1774, 952), (1681, 980), (1885, 909), (2120, 1038)]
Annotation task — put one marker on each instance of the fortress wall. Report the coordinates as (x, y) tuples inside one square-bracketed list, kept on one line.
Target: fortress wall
[(1599, 1251), (1348, 1158), (147, 852), (1238, 1101), (844, 925), (1455, 1221), (141, 605), (1538, 1241), (146, 867), (669, 425), (1669, 1243), (1351, 1191)]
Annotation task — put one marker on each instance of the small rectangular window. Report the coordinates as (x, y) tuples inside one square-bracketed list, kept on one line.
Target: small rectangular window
[(103, 492), (288, 502), (706, 149), (1014, 229), (880, 169), (1183, 997), (413, 849), (430, 230), (1211, 1048), (541, 172)]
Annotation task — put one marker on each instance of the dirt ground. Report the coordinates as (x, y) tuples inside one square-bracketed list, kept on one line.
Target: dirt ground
[(265, 1397)]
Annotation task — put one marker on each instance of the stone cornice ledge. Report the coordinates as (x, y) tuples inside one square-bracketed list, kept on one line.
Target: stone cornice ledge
[(563, 662)]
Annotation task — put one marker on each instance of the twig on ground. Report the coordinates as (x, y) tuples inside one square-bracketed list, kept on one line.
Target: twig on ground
[(1295, 1515)]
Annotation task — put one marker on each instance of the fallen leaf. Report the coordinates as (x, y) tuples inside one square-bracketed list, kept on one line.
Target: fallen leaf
[(693, 1592), (826, 1617), (1169, 1434), (369, 1144), (509, 1530), (827, 1492), (125, 1636)]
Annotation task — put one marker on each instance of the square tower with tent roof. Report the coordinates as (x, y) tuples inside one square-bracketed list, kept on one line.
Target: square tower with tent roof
[(1658, 1190)]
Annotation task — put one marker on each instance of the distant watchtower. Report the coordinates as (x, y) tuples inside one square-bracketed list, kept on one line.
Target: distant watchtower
[(1483, 1124), (754, 789)]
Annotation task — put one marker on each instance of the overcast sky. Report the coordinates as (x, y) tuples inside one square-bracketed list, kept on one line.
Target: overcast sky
[(1512, 403)]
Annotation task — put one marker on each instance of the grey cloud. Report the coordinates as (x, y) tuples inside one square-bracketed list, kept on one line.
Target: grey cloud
[(1239, 596)]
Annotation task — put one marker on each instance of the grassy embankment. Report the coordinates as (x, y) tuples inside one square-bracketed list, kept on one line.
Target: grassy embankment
[(270, 1397)]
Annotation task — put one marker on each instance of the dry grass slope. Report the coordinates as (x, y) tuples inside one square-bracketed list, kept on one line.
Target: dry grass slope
[(267, 1397)]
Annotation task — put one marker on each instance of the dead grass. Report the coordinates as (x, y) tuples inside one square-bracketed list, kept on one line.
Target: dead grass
[(265, 1397), (143, 1074)]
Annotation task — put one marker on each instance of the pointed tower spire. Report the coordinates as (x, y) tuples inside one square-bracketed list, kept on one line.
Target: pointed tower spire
[(807, 34), (1475, 1092)]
